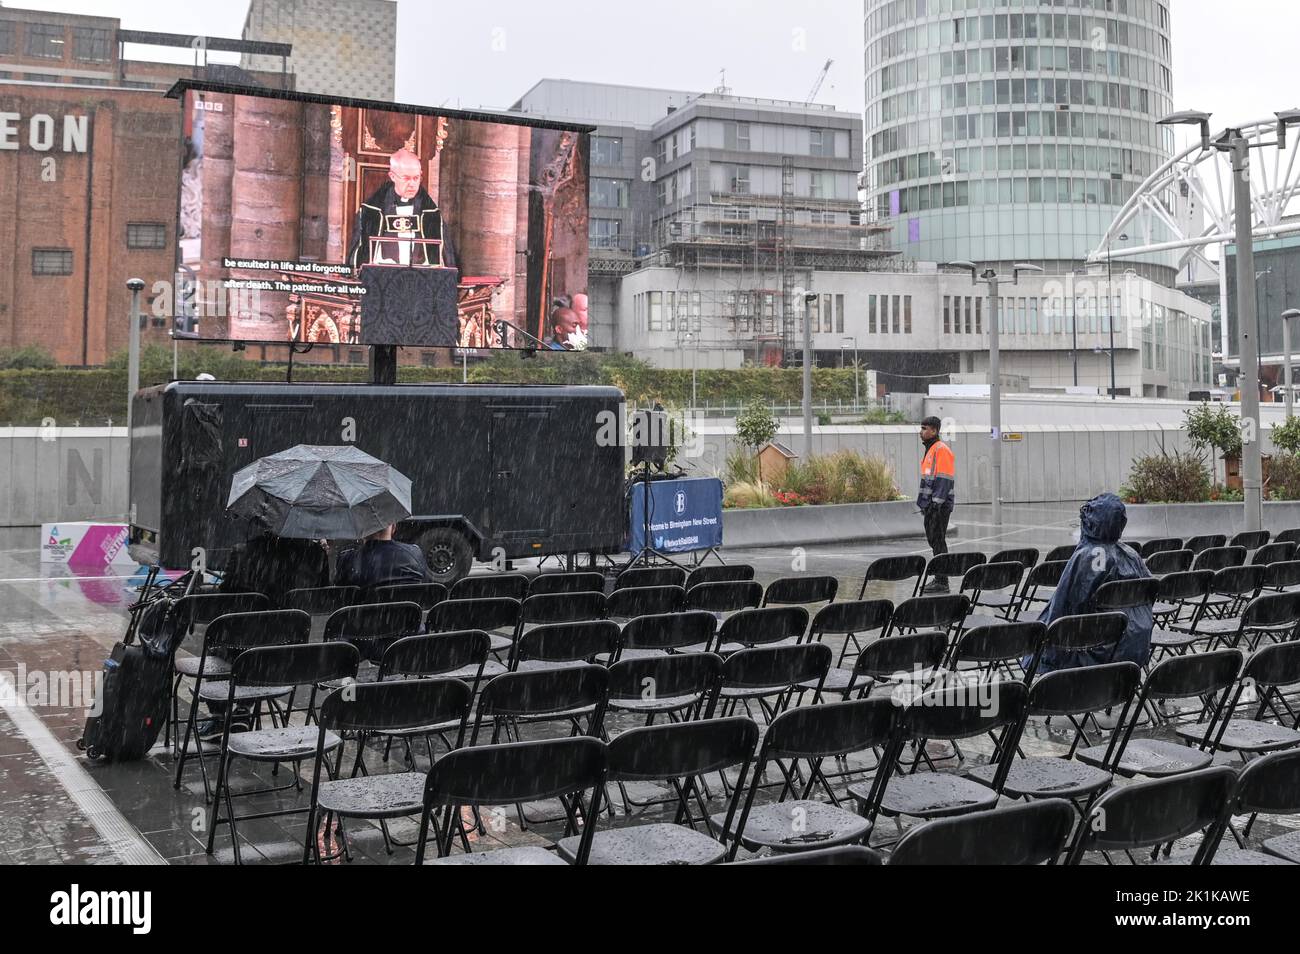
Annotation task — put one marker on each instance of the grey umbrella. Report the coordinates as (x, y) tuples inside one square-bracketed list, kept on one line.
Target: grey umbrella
[(312, 492)]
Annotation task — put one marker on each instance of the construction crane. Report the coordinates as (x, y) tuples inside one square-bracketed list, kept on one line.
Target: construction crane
[(816, 88)]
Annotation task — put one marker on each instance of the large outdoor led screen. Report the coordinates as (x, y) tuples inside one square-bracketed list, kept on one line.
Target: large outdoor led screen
[(352, 223)]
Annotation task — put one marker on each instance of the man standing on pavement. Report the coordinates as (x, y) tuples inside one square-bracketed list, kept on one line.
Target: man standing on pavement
[(935, 500)]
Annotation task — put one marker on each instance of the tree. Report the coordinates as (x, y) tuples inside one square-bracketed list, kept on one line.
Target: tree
[(755, 425), (1286, 436), (1215, 427)]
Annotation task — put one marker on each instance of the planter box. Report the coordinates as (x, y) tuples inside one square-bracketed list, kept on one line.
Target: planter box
[(824, 523), (1151, 521)]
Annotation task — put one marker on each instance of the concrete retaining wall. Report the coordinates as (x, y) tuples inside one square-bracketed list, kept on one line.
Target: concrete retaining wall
[(1049, 463), (54, 474), (1150, 521), (800, 526)]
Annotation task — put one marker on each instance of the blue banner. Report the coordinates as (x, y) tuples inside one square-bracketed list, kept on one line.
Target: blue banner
[(685, 515)]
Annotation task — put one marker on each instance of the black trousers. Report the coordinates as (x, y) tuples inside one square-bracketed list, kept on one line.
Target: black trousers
[(936, 532)]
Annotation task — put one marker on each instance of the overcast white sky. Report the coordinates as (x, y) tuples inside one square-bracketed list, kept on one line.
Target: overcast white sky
[(1234, 58)]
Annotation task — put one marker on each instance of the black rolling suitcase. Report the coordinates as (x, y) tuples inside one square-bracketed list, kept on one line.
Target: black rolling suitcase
[(133, 699)]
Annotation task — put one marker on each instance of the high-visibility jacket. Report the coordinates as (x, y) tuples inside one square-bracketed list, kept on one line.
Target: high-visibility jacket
[(938, 477)]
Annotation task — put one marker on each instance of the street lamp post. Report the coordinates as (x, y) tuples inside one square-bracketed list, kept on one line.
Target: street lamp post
[(808, 299), (1286, 356), (133, 348), (1238, 147), (1110, 309), (857, 402), (991, 278)]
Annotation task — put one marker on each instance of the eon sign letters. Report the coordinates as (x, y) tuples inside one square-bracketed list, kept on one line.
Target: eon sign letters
[(40, 131)]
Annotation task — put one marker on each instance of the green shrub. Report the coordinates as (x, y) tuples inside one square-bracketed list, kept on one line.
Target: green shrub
[(1168, 478), (1286, 436), (755, 425), (748, 494), (845, 476), (878, 415), (742, 467), (1214, 427), (26, 358), (1284, 476)]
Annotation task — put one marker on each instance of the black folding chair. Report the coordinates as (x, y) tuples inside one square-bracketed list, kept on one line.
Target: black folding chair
[(720, 573), (1250, 539), (486, 586), (639, 576), (1268, 785), (498, 616), (427, 595), (1170, 561), (845, 855), (680, 753), (905, 660), (1289, 536), (566, 694), (1218, 558), (1071, 694), (381, 708), (894, 569), (1119, 595), (946, 565), (679, 685), (228, 636), (273, 667), (944, 714), (1152, 547), (942, 613), (984, 650), (189, 613), (1179, 606), (1275, 552), (560, 608), (768, 626), (1205, 677), (1230, 589), (511, 773), (1263, 678), (1282, 576), (1205, 542), (581, 582), (660, 633), (1275, 616), (1156, 811), (1062, 552), (1040, 583), (995, 587), (800, 591), (723, 597), (555, 645), (854, 619), (1016, 834), (372, 627), (632, 601), (769, 676), (811, 734), (1025, 556), (320, 600)]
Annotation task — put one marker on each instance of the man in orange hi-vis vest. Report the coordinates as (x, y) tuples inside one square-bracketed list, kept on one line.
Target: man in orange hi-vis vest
[(935, 501)]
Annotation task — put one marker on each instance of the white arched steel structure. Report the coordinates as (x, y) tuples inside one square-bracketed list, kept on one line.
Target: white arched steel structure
[(1187, 204)]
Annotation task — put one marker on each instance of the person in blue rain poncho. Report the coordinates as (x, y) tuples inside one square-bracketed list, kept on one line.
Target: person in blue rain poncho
[(1099, 558)]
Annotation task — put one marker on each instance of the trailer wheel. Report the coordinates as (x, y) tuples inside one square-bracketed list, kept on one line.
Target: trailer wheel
[(448, 554)]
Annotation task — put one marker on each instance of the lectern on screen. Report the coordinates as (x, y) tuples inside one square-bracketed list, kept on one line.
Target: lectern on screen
[(306, 218)]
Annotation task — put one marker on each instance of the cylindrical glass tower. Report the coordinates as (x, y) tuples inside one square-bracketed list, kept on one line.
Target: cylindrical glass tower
[(1010, 130)]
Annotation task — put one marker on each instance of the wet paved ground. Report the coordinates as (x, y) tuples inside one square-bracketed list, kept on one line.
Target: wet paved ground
[(57, 806)]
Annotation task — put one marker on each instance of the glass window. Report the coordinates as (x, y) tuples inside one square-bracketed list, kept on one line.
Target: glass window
[(871, 314), (606, 150), (7, 34), (51, 261), (609, 193), (91, 44), (146, 235), (907, 315), (839, 313), (894, 308), (656, 321), (45, 40)]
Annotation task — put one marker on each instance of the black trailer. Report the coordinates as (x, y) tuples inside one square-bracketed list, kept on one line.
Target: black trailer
[(497, 471)]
